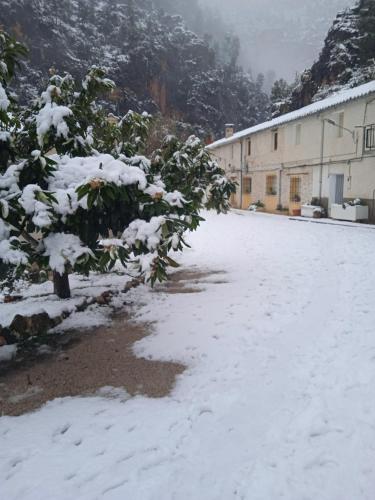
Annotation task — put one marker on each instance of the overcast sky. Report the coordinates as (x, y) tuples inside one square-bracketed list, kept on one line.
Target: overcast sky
[(284, 36)]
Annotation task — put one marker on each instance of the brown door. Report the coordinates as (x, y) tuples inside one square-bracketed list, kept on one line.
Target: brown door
[(295, 196), (246, 192)]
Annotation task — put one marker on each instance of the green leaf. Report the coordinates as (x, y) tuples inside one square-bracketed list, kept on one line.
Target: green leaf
[(171, 262), (82, 191), (92, 196)]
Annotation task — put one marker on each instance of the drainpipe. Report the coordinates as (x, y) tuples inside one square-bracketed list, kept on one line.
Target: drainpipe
[(241, 166), (280, 181), (321, 161)]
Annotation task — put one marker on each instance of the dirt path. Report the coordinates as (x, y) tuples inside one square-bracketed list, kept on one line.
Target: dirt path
[(81, 363), (84, 363)]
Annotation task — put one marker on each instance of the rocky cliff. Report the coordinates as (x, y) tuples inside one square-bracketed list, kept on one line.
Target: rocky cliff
[(347, 58)]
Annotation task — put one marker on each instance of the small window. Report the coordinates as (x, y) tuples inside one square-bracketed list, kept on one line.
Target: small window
[(247, 184), (298, 134), (275, 140), (340, 129), (295, 189), (370, 138), (232, 152), (271, 185), (249, 147)]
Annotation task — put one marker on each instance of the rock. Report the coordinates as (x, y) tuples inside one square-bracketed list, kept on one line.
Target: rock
[(29, 326), (82, 307), (7, 336), (12, 298), (133, 284), (100, 300), (57, 320), (2, 341), (104, 298)]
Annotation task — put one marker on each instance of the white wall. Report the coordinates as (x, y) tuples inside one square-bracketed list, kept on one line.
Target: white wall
[(341, 154)]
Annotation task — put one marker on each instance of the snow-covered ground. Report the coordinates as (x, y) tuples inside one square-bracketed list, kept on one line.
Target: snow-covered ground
[(40, 298), (277, 401)]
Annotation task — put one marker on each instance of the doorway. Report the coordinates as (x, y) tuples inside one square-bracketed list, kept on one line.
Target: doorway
[(336, 189), (246, 192)]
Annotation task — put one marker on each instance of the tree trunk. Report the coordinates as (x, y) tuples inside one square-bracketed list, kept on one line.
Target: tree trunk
[(61, 285)]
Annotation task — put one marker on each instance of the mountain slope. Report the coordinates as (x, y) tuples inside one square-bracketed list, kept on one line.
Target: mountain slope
[(347, 58), (158, 64)]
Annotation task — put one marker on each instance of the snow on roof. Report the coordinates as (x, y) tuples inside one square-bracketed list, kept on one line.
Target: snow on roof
[(334, 100)]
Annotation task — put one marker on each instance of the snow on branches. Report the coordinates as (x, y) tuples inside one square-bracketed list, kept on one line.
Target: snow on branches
[(78, 194), (64, 249), (4, 100)]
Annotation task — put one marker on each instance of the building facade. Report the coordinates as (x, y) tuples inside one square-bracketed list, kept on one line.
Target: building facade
[(323, 153)]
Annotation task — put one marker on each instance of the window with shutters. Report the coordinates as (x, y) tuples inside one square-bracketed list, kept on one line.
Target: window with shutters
[(271, 185), (247, 185), (295, 189), (275, 140), (370, 138)]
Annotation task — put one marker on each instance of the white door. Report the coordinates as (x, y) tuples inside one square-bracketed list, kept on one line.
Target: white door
[(336, 190)]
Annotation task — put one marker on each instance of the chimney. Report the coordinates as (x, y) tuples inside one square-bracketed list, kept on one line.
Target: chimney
[(229, 130)]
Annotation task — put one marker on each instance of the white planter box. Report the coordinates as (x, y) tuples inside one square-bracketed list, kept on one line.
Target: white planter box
[(350, 213), (308, 210)]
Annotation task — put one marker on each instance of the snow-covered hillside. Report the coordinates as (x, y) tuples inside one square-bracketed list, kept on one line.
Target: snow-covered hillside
[(158, 63), (277, 398), (346, 60)]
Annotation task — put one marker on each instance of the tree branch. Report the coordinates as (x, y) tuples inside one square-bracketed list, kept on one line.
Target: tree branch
[(25, 235)]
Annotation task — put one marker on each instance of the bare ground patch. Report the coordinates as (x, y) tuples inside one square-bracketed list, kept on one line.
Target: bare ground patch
[(82, 362), (189, 281)]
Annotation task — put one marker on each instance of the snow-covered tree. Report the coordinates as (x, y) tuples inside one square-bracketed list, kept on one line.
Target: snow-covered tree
[(280, 91), (80, 195), (10, 53), (159, 64)]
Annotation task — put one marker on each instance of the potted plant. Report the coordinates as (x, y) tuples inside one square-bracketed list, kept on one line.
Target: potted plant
[(281, 208), (296, 212), (254, 207), (313, 209), (352, 211), (318, 212)]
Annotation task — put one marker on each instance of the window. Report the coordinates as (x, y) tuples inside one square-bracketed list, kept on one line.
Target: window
[(340, 129), (275, 140), (247, 185), (298, 134), (271, 185), (295, 189), (232, 152), (370, 138), (249, 147)]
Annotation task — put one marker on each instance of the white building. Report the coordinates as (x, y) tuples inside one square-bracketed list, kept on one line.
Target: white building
[(323, 152)]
